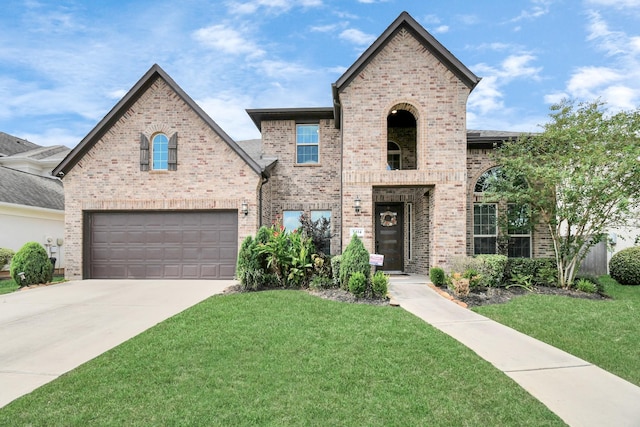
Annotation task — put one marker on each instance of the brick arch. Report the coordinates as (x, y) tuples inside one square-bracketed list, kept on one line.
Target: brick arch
[(158, 128), (409, 147), (406, 106)]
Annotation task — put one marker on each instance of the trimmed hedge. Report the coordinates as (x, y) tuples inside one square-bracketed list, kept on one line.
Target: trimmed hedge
[(355, 258), (624, 266)]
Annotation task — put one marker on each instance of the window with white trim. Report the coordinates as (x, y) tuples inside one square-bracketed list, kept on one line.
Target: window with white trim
[(307, 143), (160, 152), (519, 231), (486, 231), (485, 228)]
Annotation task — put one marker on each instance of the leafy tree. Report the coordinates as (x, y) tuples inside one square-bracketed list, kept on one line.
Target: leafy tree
[(583, 175)]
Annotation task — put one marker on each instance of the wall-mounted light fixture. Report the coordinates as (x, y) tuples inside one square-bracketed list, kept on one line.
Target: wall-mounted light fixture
[(245, 207), (356, 204)]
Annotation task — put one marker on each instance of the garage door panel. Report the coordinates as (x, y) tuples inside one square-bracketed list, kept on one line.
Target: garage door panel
[(227, 270), (210, 271), (190, 236), (190, 244)]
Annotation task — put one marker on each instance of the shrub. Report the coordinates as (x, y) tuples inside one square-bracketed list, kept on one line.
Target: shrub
[(32, 260), (459, 284), (624, 266), (437, 276), (335, 270), (5, 256), (355, 258), (379, 284), (585, 285), (320, 282), (520, 267), (492, 270), (357, 284), (319, 231), (546, 272)]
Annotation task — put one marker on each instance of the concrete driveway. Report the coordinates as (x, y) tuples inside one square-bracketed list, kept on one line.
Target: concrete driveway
[(47, 331)]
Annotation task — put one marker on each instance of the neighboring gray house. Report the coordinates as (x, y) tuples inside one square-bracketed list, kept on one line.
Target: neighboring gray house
[(31, 200)]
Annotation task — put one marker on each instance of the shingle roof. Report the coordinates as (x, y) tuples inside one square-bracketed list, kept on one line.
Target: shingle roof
[(253, 147), (22, 188), (11, 145)]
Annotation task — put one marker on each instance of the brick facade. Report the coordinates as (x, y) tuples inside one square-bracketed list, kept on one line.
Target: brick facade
[(404, 71), (210, 174)]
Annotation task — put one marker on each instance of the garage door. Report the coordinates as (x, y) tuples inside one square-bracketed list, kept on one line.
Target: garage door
[(161, 245)]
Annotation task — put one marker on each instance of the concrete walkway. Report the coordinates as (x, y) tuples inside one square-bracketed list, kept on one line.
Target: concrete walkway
[(47, 331), (579, 392)]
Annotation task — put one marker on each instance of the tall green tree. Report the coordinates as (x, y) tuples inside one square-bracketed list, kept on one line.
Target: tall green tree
[(582, 173)]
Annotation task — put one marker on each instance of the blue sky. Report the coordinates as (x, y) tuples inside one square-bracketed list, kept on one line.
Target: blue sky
[(64, 64)]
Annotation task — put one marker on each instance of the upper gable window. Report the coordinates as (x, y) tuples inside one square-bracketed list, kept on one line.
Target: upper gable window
[(160, 152), (307, 144)]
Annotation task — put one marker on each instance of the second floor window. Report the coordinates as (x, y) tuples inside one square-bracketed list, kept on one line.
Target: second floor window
[(307, 144), (160, 152)]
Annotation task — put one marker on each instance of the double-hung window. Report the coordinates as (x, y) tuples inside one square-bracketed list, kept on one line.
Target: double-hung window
[(307, 144), (519, 231), (485, 228)]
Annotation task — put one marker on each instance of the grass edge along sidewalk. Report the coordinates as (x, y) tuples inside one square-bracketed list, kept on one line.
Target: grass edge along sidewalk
[(285, 358)]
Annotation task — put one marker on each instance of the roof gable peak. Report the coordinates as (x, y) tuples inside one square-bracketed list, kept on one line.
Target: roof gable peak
[(129, 99), (404, 20)]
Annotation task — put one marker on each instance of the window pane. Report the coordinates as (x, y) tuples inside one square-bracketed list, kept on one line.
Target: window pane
[(326, 243), (518, 216), (307, 154), (393, 161), (307, 142), (484, 245), (484, 219), (160, 147), (291, 220), (519, 247)]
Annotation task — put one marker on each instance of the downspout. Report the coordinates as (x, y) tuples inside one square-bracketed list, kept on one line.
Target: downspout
[(337, 115), (265, 179)]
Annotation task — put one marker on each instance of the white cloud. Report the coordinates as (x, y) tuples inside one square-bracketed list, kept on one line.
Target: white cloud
[(270, 6), (488, 96), (617, 4), (357, 37), (617, 83), (226, 39), (441, 29), (54, 136), (228, 111), (538, 9)]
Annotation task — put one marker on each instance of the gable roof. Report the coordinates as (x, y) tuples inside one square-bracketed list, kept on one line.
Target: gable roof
[(404, 20), (23, 188), (125, 103)]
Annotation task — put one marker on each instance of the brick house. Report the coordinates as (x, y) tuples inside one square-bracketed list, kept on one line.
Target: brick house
[(159, 190)]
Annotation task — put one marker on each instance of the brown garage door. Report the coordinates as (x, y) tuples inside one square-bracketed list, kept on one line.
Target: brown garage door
[(161, 245)]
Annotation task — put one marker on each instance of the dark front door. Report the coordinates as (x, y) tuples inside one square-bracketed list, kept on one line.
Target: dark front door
[(389, 235)]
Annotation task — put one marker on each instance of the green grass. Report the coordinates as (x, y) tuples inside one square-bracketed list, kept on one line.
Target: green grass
[(284, 358), (605, 333), (9, 285)]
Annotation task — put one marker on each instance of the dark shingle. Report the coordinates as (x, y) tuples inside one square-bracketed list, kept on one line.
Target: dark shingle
[(10, 145), (22, 188)]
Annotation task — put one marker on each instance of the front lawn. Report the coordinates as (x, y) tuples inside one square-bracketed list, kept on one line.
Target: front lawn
[(605, 333), (284, 358)]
